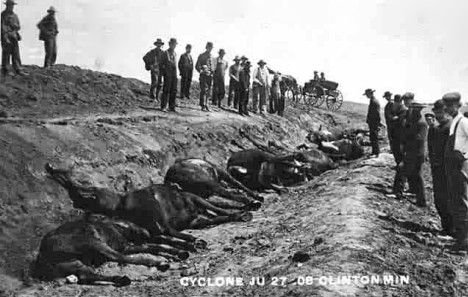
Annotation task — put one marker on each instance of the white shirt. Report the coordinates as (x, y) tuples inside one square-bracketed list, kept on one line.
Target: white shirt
[(461, 137), (261, 76)]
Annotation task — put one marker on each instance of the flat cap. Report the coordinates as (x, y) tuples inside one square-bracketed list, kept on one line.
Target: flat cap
[(429, 115), (438, 105), (407, 95), (452, 97), (188, 46), (209, 44)]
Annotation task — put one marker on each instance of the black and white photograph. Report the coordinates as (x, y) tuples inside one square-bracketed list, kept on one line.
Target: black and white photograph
[(233, 148)]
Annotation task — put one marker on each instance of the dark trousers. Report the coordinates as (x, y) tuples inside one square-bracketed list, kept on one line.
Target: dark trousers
[(169, 90), (11, 50), (185, 82), (439, 185), (274, 97), (205, 86), (281, 105), (243, 101), (397, 149), (457, 185), (412, 169), (50, 47), (233, 93), (218, 90), (374, 139), (155, 83)]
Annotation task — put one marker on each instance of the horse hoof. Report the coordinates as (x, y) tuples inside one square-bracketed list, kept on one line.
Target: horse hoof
[(244, 216), (123, 281), (200, 244), (48, 167), (259, 198), (183, 255), (255, 205), (163, 267)]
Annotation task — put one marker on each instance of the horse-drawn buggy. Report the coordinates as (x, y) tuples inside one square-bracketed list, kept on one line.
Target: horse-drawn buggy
[(316, 92)]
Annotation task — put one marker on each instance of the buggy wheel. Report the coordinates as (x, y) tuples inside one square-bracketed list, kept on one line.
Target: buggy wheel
[(334, 103), (311, 99), (320, 100)]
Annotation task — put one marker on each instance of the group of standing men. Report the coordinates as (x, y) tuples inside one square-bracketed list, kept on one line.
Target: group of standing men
[(10, 38), (447, 141), (163, 68)]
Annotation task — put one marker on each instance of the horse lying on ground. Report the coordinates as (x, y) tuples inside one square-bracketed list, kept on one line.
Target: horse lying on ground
[(204, 179), (160, 209), (76, 247), (260, 170)]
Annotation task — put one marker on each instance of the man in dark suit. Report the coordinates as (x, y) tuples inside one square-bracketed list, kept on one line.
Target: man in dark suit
[(398, 119), (436, 142), (388, 112), (373, 120), (414, 155), (243, 88), (186, 72), (48, 33), (169, 68), (10, 38)]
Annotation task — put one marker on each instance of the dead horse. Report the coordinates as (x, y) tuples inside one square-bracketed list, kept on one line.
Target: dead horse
[(160, 209)]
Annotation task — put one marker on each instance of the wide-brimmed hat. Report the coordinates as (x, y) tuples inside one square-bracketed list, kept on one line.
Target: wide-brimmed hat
[(172, 41), (236, 58), (453, 97), (10, 2), (244, 58), (51, 9), (386, 94), (407, 95), (368, 91), (438, 105), (159, 41), (221, 51), (261, 62), (429, 115)]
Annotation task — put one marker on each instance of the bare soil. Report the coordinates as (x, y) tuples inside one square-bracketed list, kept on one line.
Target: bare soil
[(105, 127)]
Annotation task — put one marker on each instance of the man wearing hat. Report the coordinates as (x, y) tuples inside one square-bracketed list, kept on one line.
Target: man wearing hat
[(456, 168), (234, 71), (373, 120), (186, 72), (153, 60), (221, 66), (437, 137), (316, 76), (388, 113), (48, 31), (169, 68), (244, 85), (414, 155), (206, 77), (261, 84), (243, 60), (10, 38)]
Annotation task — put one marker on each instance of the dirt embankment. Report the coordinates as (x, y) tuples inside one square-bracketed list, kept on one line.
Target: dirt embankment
[(95, 122)]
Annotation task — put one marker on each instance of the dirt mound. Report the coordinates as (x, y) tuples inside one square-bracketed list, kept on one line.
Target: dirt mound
[(104, 127)]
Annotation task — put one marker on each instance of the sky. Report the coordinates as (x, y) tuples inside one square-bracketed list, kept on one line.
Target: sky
[(396, 45)]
